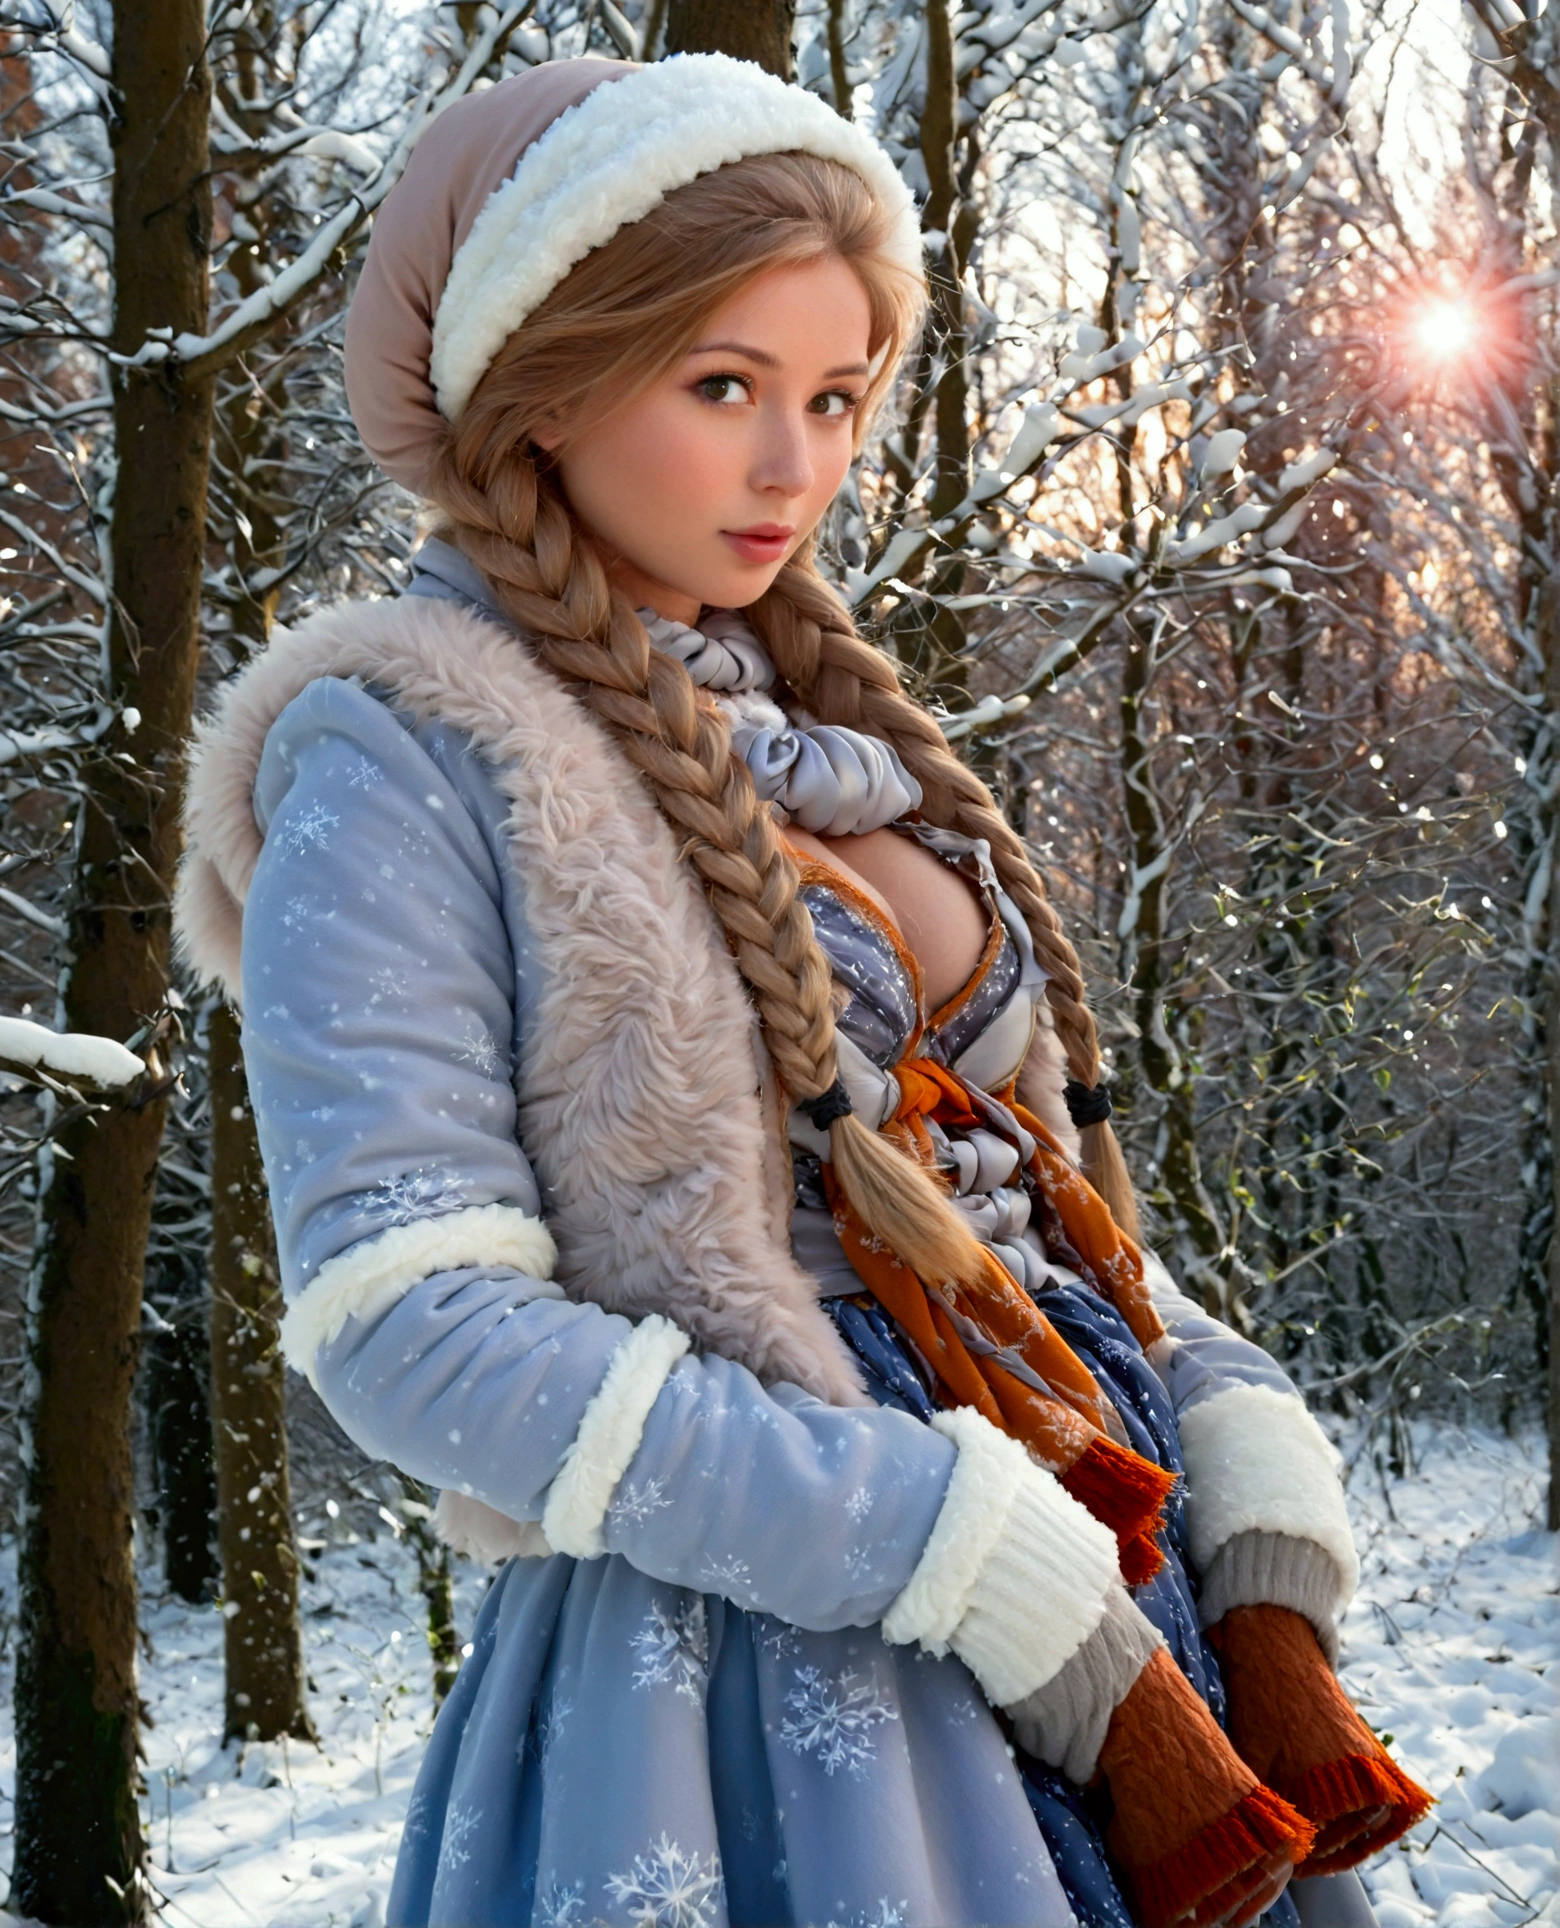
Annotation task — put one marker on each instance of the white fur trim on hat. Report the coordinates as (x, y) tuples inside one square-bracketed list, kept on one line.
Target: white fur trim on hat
[(610, 1431), (606, 163), (368, 1278)]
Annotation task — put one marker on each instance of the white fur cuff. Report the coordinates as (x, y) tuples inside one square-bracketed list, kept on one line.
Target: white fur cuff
[(370, 1276), (1015, 1573), (610, 1431), (1256, 1460)]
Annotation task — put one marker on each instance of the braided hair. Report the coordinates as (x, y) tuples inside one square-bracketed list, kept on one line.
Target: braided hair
[(623, 316)]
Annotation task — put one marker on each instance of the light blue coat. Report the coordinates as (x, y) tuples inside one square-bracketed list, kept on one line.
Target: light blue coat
[(705, 1725)]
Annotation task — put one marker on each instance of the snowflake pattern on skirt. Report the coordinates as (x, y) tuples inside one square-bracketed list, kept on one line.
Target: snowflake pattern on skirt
[(832, 1717), (673, 1645), (460, 1824), (668, 1888), (883, 1914), (777, 1638), (561, 1907)]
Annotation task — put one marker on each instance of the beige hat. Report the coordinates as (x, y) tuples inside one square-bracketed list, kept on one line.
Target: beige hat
[(509, 188)]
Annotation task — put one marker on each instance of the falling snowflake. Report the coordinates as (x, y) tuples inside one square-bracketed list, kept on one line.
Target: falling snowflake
[(478, 1049), (859, 1505), (418, 1194), (833, 1717), (667, 1888), (310, 827), (460, 1824), (561, 1907), (674, 1647), (779, 1639), (297, 910), (635, 1502)]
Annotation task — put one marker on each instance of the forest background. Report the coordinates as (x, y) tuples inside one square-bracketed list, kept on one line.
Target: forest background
[(1218, 512)]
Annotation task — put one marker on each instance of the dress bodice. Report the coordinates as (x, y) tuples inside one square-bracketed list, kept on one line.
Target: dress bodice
[(982, 1033), (887, 1016)]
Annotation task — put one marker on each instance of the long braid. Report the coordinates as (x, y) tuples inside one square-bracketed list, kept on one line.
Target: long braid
[(842, 679), (550, 581)]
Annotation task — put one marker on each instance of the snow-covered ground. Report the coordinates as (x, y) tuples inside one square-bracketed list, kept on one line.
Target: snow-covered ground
[(1452, 1649)]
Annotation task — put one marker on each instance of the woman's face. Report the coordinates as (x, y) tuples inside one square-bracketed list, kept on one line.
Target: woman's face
[(700, 487)]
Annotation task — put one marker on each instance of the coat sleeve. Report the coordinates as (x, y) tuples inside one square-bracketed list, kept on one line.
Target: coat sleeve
[(385, 984), (1264, 1502)]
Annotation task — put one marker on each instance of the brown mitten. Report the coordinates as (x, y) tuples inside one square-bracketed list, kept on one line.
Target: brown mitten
[(1292, 1724), (1200, 1841)]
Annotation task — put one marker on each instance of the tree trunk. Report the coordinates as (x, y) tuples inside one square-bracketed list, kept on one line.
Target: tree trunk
[(265, 1687), (1180, 1193), (436, 1582), (265, 1684), (79, 1849), (758, 30), (931, 637), (1548, 626), (178, 1412), (839, 69)]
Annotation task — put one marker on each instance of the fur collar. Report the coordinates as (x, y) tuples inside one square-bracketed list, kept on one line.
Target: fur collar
[(648, 1103), (645, 1100)]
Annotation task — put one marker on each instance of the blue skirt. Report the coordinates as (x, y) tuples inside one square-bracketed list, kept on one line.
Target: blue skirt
[(1071, 1820)]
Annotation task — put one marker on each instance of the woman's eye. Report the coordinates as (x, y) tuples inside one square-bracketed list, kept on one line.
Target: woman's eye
[(724, 388), (834, 402)]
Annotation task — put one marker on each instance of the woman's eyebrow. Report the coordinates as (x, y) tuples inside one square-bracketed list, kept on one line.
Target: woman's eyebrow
[(766, 360)]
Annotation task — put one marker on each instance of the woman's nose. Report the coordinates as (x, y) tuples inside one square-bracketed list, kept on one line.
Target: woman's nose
[(782, 460)]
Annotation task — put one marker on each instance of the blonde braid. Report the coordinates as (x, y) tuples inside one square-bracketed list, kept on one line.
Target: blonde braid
[(842, 679), (550, 581)]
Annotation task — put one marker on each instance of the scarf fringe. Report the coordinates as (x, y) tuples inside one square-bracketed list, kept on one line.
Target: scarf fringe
[(1128, 1494), (1356, 1785), (1259, 1823)]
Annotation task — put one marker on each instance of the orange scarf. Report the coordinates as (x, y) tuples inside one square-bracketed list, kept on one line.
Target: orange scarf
[(991, 1347)]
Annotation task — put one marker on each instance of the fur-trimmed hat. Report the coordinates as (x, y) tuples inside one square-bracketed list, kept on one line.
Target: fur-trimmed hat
[(509, 188)]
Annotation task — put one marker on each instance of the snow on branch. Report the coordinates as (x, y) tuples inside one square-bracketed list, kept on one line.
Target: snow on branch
[(45, 202), (57, 34), (251, 320), (30, 913), (38, 1055)]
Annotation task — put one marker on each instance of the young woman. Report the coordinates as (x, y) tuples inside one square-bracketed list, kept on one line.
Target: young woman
[(684, 1125)]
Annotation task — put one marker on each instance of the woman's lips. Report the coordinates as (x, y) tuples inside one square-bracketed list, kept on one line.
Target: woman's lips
[(765, 542)]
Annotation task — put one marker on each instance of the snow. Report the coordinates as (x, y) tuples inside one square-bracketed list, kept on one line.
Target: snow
[(1308, 470), (68, 1054), (1451, 1649), (1223, 451), (282, 1835)]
